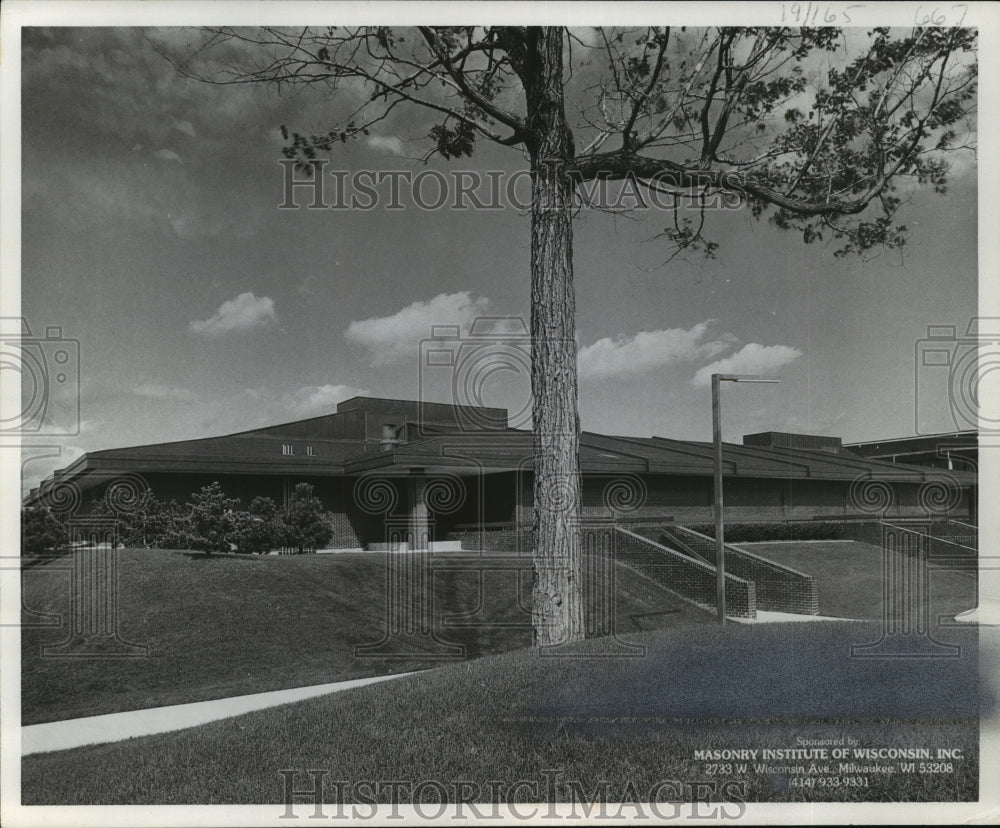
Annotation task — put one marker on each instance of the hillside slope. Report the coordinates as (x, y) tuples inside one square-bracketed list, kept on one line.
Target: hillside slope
[(225, 626)]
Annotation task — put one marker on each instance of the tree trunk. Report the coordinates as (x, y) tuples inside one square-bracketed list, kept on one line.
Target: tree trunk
[(558, 612)]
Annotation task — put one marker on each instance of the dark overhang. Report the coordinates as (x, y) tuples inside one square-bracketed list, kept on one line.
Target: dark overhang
[(304, 447)]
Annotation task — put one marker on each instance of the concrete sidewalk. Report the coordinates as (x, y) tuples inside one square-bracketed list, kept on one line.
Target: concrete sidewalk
[(114, 727), (770, 617)]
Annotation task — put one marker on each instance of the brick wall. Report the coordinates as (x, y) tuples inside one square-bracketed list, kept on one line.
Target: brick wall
[(956, 532), (345, 535), (926, 537), (506, 541), (779, 588), (686, 576), (689, 578), (688, 499)]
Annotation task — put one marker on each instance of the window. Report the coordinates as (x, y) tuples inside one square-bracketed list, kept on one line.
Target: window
[(287, 450), (309, 451)]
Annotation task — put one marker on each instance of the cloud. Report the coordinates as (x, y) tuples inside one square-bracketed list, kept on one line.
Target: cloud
[(38, 463), (649, 350), (62, 448), (126, 95), (185, 127), (750, 359), (243, 313), (313, 400), (389, 143), (396, 338), (264, 406), (153, 391), (168, 155)]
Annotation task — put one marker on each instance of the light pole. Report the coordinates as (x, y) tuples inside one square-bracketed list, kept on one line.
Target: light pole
[(720, 542)]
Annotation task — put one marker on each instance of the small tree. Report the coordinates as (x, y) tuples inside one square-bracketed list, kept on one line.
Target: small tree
[(213, 519), (171, 528), (136, 525), (260, 528), (42, 532), (305, 520)]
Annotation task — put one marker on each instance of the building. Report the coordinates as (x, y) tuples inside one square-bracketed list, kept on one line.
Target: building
[(381, 463), (953, 450)]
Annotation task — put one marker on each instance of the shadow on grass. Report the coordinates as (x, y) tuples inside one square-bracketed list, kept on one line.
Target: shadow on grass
[(624, 721), (779, 671)]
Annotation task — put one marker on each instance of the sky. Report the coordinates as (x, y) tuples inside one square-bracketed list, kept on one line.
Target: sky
[(153, 236)]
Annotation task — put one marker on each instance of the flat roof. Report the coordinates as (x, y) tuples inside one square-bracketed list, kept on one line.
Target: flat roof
[(290, 449)]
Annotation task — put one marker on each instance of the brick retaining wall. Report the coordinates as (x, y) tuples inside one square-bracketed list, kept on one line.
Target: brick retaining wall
[(509, 541), (779, 588), (694, 580), (686, 576), (344, 536)]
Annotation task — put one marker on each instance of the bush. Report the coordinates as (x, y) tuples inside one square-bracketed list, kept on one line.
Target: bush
[(212, 522), (42, 532), (260, 528), (150, 522), (305, 520), (800, 530), (171, 527), (214, 518)]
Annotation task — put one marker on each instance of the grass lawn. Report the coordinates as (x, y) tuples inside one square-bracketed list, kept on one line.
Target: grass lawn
[(850, 577), (588, 719), (230, 625)]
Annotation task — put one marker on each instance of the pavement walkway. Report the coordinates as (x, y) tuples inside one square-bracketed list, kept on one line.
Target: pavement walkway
[(770, 617), (114, 727)]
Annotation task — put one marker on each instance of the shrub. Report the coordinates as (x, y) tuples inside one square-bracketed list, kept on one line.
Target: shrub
[(212, 522), (42, 532), (171, 526), (150, 522), (260, 528), (213, 519), (799, 530), (305, 520)]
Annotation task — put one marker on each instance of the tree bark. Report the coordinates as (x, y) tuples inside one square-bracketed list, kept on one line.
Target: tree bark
[(558, 611)]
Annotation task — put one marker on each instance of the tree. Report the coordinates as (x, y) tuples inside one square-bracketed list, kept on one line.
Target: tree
[(213, 519), (42, 532), (260, 528), (142, 524), (305, 522), (741, 114), (169, 526)]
